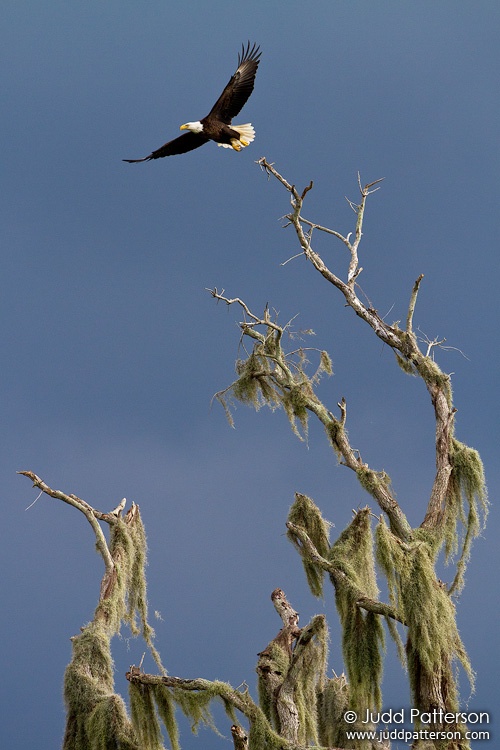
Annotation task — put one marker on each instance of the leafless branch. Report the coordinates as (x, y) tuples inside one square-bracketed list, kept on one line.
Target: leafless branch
[(386, 333), (285, 610), (297, 255), (413, 301), (438, 343), (285, 377), (402, 342), (91, 514)]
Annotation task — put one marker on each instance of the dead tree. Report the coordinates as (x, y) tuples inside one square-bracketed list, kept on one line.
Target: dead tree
[(275, 376), (298, 706), (291, 668), (96, 716)]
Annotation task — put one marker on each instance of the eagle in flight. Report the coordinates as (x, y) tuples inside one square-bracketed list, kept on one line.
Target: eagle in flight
[(216, 126)]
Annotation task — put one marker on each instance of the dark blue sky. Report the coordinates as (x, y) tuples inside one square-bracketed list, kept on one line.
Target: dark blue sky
[(113, 348)]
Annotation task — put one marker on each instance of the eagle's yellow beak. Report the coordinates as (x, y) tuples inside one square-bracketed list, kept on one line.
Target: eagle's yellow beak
[(184, 127)]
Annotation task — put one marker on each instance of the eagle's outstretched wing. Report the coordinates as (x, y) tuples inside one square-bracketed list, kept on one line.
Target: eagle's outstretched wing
[(180, 145), (240, 86)]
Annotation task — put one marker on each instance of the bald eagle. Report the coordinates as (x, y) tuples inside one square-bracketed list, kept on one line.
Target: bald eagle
[(216, 126)]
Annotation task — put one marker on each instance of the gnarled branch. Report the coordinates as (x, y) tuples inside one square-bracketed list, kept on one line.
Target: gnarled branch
[(310, 553)]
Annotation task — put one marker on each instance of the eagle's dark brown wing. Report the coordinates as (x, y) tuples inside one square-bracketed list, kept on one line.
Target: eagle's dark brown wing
[(180, 145), (239, 88)]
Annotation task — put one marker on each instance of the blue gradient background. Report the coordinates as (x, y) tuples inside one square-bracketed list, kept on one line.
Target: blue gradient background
[(112, 348)]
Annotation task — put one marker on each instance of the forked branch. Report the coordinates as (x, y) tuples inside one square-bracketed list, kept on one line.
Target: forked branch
[(91, 514), (403, 342), (279, 378)]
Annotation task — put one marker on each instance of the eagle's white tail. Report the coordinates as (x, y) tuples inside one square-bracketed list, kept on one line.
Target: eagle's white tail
[(247, 135)]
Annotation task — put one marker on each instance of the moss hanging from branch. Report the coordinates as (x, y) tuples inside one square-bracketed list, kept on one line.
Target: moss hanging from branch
[(88, 680), (252, 387), (108, 726), (166, 711), (129, 603), (467, 502), (196, 706), (272, 377), (261, 737), (262, 381), (305, 513), (405, 364), (335, 431), (144, 716), (96, 717), (362, 633), (272, 669), (154, 698), (434, 643), (392, 627), (310, 670), (294, 403), (333, 701), (93, 710)]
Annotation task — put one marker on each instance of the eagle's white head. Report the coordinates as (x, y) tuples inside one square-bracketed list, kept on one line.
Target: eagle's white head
[(194, 127)]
